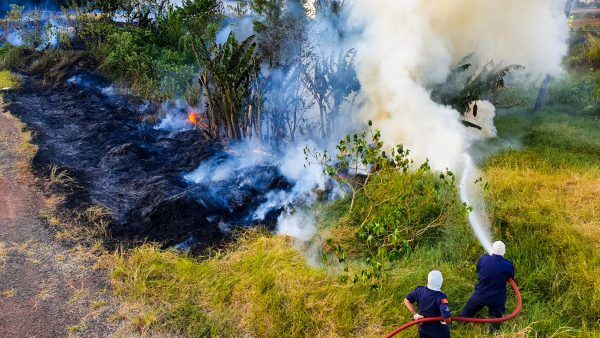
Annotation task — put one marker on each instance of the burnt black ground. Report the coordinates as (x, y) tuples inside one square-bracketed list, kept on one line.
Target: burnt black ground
[(122, 163), (135, 170)]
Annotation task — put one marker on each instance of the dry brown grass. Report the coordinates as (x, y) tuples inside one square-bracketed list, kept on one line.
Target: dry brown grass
[(574, 195), (60, 178), (54, 65), (16, 147), (8, 293), (89, 225)]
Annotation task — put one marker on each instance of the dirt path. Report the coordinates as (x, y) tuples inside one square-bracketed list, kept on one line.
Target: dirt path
[(46, 289)]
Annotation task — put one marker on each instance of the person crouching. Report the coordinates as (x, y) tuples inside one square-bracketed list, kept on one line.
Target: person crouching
[(432, 302), (493, 272)]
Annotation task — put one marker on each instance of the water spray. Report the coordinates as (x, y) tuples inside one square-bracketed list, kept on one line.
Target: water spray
[(472, 194)]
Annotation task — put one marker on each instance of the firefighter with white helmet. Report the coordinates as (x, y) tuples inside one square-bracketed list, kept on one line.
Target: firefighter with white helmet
[(493, 272), (432, 302)]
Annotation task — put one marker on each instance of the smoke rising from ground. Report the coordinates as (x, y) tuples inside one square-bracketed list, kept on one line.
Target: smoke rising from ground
[(408, 46)]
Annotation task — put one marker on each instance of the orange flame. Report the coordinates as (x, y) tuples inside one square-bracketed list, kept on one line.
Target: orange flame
[(197, 120), (193, 118)]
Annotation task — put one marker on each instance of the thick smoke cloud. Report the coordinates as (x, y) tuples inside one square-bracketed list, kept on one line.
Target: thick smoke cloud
[(408, 46)]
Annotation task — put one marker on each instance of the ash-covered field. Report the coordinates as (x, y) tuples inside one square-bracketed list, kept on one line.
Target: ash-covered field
[(138, 171)]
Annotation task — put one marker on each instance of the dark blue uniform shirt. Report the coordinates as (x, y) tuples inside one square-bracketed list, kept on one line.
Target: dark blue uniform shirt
[(493, 273), (431, 304)]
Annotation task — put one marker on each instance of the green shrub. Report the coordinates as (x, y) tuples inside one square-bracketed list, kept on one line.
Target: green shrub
[(579, 92), (132, 56), (175, 71), (586, 53), (392, 209), (14, 58), (126, 56)]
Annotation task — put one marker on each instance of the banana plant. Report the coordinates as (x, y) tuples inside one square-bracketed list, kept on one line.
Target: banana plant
[(228, 71), (467, 83)]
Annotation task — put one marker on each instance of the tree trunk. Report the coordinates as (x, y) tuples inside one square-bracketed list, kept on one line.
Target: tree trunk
[(212, 122), (543, 93), (322, 116), (249, 123)]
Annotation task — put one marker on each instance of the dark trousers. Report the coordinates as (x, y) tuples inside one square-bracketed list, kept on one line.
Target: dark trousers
[(434, 330), (475, 305)]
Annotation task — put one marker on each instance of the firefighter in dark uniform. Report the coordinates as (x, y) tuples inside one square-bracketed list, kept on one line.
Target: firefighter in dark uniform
[(432, 302), (493, 272)]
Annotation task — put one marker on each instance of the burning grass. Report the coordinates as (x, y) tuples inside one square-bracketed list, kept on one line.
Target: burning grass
[(544, 204)]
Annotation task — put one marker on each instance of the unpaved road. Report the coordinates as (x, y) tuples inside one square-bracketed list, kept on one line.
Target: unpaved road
[(46, 289)]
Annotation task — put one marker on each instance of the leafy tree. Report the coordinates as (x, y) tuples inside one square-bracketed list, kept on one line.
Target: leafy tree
[(228, 71), (200, 18), (331, 81)]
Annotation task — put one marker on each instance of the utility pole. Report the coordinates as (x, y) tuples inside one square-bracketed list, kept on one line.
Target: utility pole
[(543, 93)]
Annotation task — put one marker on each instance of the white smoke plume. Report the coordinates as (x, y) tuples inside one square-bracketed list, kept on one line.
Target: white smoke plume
[(407, 46)]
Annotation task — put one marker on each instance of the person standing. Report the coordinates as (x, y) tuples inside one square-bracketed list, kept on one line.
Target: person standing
[(493, 272), (432, 302)]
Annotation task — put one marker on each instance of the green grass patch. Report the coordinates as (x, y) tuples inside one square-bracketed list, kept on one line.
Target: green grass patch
[(9, 80), (544, 201)]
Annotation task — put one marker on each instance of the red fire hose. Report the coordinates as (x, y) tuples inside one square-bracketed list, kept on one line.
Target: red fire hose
[(469, 320)]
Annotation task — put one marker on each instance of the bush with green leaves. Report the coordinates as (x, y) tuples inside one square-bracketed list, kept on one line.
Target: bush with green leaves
[(13, 58), (394, 206), (580, 92), (586, 53), (156, 59)]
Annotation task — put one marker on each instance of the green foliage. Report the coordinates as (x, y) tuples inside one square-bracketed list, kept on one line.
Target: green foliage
[(13, 21), (154, 57), (586, 54), (578, 91), (392, 209), (132, 55), (15, 58), (128, 55), (229, 70), (199, 18)]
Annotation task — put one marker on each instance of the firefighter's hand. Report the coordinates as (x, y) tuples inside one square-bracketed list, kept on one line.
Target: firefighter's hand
[(446, 321), (417, 316)]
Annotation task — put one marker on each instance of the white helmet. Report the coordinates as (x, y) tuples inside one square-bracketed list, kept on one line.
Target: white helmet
[(498, 248), (435, 280)]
